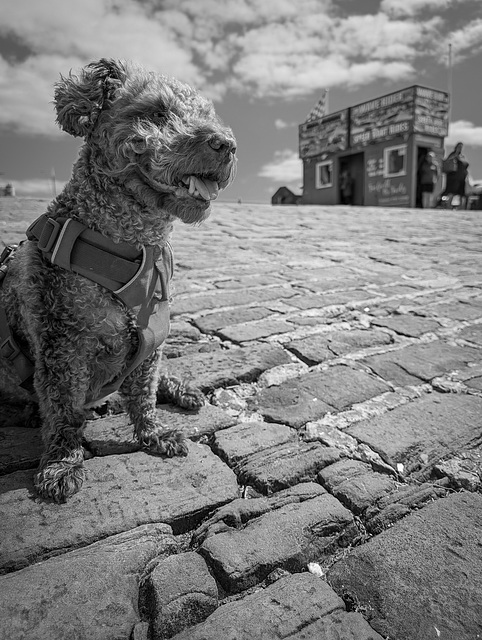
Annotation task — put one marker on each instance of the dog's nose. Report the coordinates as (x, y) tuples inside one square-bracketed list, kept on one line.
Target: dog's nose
[(222, 143)]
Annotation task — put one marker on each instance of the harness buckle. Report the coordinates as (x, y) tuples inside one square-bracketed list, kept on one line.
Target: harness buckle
[(49, 235), (8, 349)]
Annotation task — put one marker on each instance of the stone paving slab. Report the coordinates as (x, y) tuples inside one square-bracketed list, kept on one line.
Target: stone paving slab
[(231, 366), (283, 466), (422, 578), (114, 435), (299, 607), (355, 484), (420, 433), (300, 400), (247, 438), (320, 347), (120, 492), (407, 325), (288, 537), (88, 593), (421, 362), (179, 593), (218, 320)]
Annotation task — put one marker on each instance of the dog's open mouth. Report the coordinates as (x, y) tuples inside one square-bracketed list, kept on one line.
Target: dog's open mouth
[(200, 187)]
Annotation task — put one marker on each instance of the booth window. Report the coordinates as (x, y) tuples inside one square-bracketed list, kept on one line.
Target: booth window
[(324, 174), (395, 161)]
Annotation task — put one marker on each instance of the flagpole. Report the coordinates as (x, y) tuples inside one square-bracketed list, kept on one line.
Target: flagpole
[(327, 101), (449, 81)]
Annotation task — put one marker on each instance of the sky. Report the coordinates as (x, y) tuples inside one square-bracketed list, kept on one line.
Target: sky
[(264, 63)]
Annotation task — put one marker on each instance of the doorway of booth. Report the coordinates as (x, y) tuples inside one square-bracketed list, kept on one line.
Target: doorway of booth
[(352, 171)]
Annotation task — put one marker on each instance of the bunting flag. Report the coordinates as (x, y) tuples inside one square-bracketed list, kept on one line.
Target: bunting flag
[(319, 110)]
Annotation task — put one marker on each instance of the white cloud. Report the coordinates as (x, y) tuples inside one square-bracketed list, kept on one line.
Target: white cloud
[(286, 168), (282, 124), (466, 132), (274, 48)]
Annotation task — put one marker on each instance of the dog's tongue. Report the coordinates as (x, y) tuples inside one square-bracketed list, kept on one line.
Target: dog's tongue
[(208, 189)]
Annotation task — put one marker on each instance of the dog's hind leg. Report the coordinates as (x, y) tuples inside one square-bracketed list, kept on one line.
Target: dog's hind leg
[(139, 390), (61, 387)]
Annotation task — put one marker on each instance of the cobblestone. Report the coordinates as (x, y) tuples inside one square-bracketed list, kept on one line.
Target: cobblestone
[(340, 352)]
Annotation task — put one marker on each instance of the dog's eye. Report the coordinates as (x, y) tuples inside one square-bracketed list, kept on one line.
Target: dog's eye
[(158, 116)]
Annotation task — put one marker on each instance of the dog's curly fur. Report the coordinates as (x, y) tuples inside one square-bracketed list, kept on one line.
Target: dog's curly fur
[(145, 134)]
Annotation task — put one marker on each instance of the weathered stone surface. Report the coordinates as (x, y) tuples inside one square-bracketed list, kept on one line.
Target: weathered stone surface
[(297, 401), (325, 346), (277, 375), (228, 299), (355, 484), (247, 438), (423, 577), (421, 362), (407, 325), (464, 471), (119, 493), (329, 299), (222, 368), (238, 512), (283, 466), (88, 593), (471, 334), (20, 448), (420, 433), (392, 507), (299, 607), (180, 593), (214, 321), (114, 434), (457, 310), (246, 331), (288, 537)]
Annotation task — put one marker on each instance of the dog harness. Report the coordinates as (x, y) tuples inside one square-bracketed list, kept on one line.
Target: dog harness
[(139, 278)]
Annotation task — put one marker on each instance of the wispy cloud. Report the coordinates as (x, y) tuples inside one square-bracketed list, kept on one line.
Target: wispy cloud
[(286, 168)]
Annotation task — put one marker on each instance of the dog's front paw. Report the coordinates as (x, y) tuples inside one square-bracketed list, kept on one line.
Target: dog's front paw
[(59, 480), (167, 443)]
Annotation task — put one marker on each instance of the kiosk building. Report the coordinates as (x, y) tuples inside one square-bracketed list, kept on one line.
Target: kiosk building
[(369, 154)]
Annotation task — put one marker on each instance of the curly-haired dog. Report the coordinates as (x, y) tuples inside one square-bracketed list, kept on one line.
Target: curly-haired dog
[(85, 297)]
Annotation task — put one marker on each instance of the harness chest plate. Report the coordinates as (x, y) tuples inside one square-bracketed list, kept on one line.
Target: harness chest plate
[(139, 278)]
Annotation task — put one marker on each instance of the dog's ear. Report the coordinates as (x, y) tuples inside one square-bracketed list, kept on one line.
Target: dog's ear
[(80, 99)]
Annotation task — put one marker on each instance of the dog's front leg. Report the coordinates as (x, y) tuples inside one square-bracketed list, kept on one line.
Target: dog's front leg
[(61, 387), (140, 392)]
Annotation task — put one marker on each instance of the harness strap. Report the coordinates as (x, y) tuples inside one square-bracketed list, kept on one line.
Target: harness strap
[(71, 245)]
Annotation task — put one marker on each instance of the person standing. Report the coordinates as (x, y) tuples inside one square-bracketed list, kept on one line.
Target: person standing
[(427, 176), (346, 187), (455, 166)]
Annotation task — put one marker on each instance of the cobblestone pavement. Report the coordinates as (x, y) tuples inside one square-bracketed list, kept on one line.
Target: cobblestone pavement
[(333, 483)]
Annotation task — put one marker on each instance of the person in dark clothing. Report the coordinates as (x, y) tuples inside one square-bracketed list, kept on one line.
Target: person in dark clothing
[(427, 176), (346, 187), (455, 167)]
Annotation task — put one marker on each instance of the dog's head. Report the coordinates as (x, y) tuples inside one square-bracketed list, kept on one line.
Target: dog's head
[(155, 135)]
